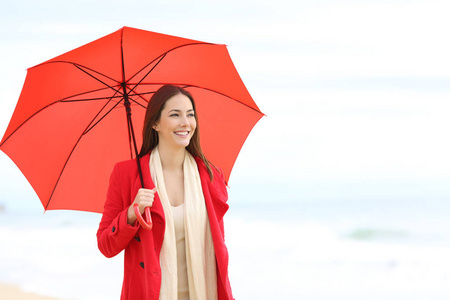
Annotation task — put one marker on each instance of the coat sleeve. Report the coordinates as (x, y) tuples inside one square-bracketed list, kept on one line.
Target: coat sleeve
[(114, 233)]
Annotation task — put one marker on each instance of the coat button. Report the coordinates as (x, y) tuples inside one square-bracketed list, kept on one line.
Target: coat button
[(113, 229), (141, 264)]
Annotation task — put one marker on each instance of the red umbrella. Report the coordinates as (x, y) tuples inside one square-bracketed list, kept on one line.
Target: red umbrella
[(70, 124)]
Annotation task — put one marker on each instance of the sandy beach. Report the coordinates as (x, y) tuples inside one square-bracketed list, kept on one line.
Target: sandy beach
[(11, 292)]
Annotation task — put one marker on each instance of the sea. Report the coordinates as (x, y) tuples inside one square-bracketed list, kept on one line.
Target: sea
[(308, 249)]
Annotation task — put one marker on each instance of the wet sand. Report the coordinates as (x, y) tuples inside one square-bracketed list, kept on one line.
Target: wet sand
[(11, 292)]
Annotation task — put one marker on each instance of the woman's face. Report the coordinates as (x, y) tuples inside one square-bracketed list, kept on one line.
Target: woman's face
[(177, 123)]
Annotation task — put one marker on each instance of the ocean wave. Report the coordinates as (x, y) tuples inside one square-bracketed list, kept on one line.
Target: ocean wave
[(378, 234)]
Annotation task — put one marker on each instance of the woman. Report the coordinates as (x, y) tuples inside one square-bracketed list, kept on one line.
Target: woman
[(184, 256)]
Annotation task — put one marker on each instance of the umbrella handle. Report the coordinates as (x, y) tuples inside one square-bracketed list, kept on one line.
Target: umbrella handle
[(148, 224)]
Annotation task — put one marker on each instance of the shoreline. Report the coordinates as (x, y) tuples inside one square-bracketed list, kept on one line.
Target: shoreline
[(13, 292)]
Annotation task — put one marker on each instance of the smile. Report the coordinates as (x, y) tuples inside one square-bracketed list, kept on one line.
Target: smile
[(182, 133)]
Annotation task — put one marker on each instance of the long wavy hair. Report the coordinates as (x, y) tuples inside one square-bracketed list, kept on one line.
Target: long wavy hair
[(153, 113)]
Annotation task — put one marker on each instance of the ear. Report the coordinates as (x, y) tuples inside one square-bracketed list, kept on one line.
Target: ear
[(156, 127)]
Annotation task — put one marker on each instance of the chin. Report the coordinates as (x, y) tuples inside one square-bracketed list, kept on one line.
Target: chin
[(182, 145)]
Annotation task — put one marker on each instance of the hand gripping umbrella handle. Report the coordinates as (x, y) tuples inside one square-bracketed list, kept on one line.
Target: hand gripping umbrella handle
[(145, 224)]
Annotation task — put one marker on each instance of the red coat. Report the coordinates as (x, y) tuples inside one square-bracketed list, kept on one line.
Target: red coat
[(142, 271)]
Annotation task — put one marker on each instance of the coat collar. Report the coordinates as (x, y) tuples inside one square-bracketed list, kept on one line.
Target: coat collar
[(157, 208)]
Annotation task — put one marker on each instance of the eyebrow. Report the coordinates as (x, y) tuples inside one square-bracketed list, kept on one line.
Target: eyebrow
[(178, 110)]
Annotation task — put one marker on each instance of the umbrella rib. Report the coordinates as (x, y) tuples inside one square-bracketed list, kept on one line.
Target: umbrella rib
[(164, 54), (86, 130), (246, 105), (160, 58), (58, 101), (138, 103), (67, 99), (25, 121), (84, 70), (81, 68), (76, 65), (89, 128)]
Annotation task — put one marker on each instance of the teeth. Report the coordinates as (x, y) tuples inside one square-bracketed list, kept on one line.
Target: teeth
[(182, 133)]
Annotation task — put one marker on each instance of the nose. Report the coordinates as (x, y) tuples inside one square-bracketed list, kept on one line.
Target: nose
[(184, 122)]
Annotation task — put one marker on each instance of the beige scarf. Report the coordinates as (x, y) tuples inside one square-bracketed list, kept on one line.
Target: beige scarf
[(201, 262)]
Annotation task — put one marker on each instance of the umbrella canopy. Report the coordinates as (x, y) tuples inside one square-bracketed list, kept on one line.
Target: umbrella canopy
[(69, 127)]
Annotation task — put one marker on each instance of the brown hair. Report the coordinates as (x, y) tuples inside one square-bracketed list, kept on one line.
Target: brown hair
[(152, 115)]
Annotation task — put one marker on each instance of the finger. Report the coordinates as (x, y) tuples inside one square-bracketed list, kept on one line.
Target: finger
[(146, 199), (147, 191), (142, 206), (143, 191)]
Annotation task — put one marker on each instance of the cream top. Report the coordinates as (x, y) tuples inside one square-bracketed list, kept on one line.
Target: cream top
[(178, 219)]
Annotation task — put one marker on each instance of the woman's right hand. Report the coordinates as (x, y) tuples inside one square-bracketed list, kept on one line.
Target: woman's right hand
[(144, 198)]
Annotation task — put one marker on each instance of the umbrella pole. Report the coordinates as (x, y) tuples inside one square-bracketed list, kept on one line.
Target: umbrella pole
[(147, 224), (133, 139)]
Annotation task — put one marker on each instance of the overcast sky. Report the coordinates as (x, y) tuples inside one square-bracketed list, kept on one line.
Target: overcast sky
[(356, 93)]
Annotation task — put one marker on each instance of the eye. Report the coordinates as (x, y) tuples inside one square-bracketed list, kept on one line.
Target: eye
[(191, 115), (174, 115)]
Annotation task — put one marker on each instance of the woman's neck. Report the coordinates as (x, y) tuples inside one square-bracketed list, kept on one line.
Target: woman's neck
[(171, 159)]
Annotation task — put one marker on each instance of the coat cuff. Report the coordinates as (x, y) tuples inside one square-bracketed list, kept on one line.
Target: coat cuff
[(120, 227)]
